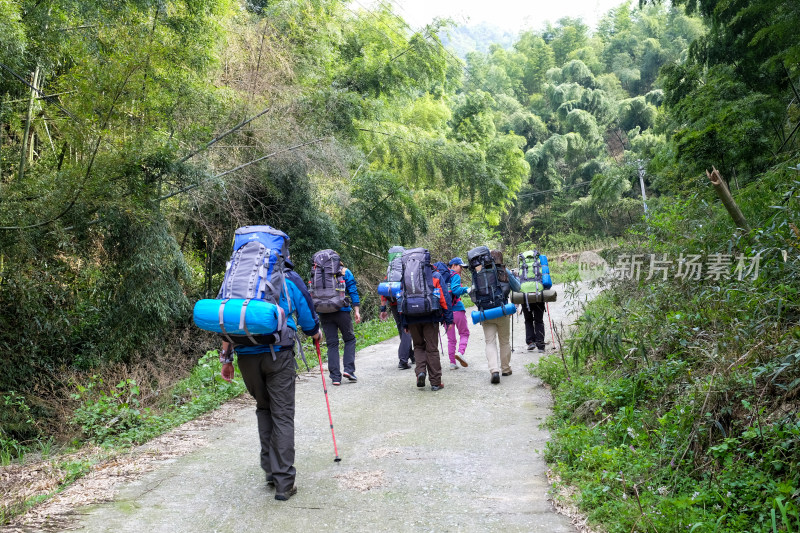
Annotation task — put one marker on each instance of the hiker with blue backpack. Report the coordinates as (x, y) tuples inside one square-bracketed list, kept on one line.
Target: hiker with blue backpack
[(335, 293), (257, 312), (424, 304), (491, 285)]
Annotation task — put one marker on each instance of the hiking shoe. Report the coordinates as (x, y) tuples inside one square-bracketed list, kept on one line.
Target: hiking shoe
[(421, 379), (337, 382), (440, 386), (495, 378), (541, 350), (270, 481), (507, 373), (283, 496), (453, 366), (459, 358), (402, 365), (351, 376), (531, 347)]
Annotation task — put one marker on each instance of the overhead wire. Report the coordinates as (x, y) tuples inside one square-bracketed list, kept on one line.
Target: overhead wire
[(537, 193)]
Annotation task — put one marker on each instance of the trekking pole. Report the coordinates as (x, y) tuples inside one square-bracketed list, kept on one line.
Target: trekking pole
[(328, 403), (550, 319)]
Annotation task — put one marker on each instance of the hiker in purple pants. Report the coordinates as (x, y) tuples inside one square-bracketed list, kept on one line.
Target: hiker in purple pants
[(459, 316)]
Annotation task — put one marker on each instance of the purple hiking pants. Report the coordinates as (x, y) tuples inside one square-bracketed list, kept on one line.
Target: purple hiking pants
[(460, 323)]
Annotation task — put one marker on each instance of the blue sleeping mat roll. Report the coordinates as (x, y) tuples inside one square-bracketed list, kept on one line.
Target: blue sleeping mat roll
[(494, 312), (390, 289), (261, 318)]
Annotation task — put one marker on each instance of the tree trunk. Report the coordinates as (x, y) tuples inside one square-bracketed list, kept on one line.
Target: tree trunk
[(727, 200)]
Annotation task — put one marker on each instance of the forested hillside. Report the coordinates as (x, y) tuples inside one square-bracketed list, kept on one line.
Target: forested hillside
[(134, 139)]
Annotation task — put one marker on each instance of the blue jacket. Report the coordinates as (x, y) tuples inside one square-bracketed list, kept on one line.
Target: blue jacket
[(352, 290), (302, 313), (457, 290)]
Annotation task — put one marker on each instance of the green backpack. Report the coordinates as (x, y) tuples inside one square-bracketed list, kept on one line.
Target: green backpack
[(534, 272)]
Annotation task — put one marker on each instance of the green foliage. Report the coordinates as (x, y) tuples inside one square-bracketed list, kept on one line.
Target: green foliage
[(689, 429), (115, 415)]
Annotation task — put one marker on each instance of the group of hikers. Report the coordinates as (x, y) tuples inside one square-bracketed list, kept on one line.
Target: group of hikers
[(420, 294)]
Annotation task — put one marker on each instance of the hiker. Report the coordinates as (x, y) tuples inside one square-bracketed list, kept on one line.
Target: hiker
[(424, 304), (335, 294), (534, 278), (394, 272), (459, 316), (492, 282), (268, 372)]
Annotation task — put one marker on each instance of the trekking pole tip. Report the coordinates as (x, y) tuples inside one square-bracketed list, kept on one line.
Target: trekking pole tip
[(337, 460)]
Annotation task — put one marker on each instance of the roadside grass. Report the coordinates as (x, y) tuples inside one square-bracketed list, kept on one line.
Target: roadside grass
[(678, 409), (112, 417)]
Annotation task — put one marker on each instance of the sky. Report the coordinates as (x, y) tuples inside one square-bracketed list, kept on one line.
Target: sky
[(509, 15)]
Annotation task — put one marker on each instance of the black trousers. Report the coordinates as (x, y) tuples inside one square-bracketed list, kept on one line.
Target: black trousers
[(534, 324), (406, 350), (332, 324), (271, 383)]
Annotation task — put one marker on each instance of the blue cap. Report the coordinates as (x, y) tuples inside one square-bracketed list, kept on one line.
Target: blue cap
[(455, 261)]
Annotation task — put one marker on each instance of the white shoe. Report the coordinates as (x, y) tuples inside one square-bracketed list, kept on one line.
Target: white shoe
[(453, 366)]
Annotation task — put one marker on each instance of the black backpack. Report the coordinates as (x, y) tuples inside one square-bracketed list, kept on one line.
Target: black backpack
[(487, 293), (419, 296)]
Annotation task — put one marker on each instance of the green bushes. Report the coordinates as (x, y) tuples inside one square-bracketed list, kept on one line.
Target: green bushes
[(115, 415), (689, 389)]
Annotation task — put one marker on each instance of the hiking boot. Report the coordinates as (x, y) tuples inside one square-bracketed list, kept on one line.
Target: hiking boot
[(453, 366), (337, 382), (495, 378), (507, 373), (283, 496), (531, 347), (459, 358), (421, 379), (270, 481), (402, 365), (440, 386), (541, 350), (351, 376)]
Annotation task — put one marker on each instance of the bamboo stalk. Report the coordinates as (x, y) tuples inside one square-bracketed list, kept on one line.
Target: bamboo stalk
[(24, 151), (727, 199)]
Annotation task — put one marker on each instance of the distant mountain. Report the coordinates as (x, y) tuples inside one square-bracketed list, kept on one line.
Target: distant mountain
[(464, 39)]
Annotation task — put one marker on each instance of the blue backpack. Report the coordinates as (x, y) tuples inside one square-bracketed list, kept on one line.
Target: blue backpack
[(447, 276), (247, 310)]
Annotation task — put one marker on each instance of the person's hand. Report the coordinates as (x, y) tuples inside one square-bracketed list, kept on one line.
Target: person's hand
[(405, 329), (227, 372), (358, 315), (317, 336), (384, 316)]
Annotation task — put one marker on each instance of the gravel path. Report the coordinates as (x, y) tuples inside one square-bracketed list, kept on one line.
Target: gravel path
[(466, 458)]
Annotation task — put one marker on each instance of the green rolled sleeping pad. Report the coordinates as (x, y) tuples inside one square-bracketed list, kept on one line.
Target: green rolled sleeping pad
[(547, 295)]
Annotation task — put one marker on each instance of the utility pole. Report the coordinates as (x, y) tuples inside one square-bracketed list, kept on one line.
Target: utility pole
[(641, 182)]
